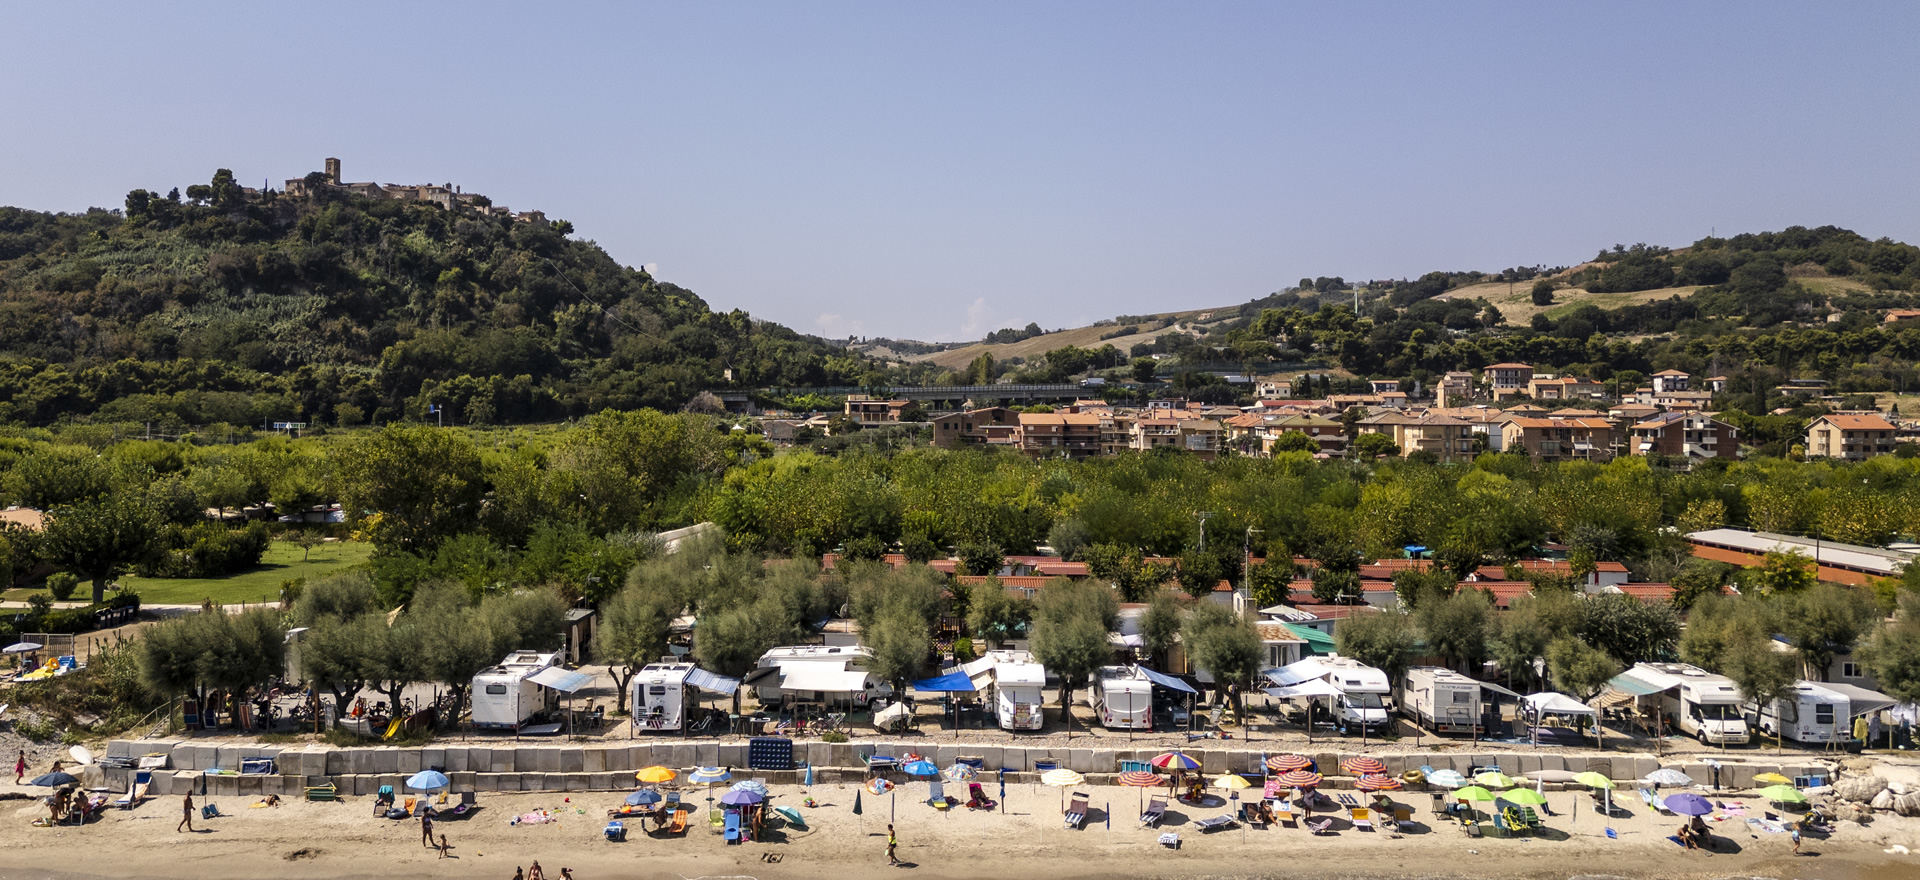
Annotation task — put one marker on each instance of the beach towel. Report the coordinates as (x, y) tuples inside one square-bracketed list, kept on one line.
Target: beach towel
[(1767, 825), (533, 819), (1677, 841)]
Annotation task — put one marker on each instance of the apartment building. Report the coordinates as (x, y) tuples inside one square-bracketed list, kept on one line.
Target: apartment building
[(1508, 380), (1560, 439), (1852, 437), (1059, 435), (1685, 434)]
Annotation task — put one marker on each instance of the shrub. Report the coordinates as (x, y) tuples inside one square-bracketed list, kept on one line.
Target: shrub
[(208, 550), (62, 584), (833, 736)]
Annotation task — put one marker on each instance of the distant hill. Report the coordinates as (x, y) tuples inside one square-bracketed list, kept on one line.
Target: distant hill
[(237, 307)]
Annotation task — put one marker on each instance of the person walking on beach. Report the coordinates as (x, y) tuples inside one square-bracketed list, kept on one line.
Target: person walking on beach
[(20, 767), (893, 843), (186, 815), (443, 846), (426, 827), (1794, 832)]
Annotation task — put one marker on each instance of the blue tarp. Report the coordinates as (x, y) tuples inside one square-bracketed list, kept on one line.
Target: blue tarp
[(952, 681), (712, 683), (1166, 681)]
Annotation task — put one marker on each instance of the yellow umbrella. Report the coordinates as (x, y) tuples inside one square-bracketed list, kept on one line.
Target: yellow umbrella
[(655, 774), (1773, 779), (1494, 779), (1591, 779), (1062, 777), (1231, 782)]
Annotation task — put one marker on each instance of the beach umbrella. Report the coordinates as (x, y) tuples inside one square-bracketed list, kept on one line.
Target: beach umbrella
[(1363, 766), (643, 797), (1785, 794), (1593, 780), (740, 798), (809, 780), (960, 773), (1772, 779), (1669, 776), (1061, 778), (1231, 782), (706, 775), (1283, 763), (427, 780), (1494, 779), (1300, 779), (1473, 793), (54, 780), (1377, 782), (1524, 796), (1447, 778), (1140, 778), (877, 785), (655, 775), (792, 816), (921, 768), (1175, 761), (22, 647), (1687, 803), (753, 785)]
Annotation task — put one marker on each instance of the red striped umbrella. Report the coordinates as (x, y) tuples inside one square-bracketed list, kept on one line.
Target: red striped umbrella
[(1141, 778), (1363, 766), (1377, 782), (1175, 761), (1283, 763), (1299, 779)]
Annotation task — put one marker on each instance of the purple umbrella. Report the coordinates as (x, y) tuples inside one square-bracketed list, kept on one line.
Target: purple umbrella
[(1687, 803), (741, 797)]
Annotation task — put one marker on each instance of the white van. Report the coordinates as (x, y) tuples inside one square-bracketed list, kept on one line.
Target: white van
[(1806, 713), (1017, 700), (504, 696), (658, 695), (1121, 698), (1441, 700), (1363, 693), (1703, 705)]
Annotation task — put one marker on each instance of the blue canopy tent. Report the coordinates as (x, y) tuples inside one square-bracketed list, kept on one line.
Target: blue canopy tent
[(952, 682), (1161, 679)]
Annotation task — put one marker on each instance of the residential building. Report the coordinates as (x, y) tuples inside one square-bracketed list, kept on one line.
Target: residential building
[(1852, 437), (1456, 389), (1274, 388), (1717, 384), (994, 424), (1116, 432), (1203, 437), (1685, 435), (869, 410), (1560, 439), (1670, 380), (1449, 438), (1059, 435), (1382, 386), (1895, 316), (1149, 434), (1508, 380), (1683, 400), (1565, 388), (1330, 434)]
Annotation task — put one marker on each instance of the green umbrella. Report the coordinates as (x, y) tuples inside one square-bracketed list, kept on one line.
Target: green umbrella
[(1495, 779), (1593, 780), (1783, 794), (1473, 793), (1524, 796)]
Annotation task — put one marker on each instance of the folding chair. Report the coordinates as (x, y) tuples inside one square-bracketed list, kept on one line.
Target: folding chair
[(1156, 810), (1362, 818), (1077, 811)]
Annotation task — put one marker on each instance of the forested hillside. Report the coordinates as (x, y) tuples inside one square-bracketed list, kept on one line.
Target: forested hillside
[(226, 306)]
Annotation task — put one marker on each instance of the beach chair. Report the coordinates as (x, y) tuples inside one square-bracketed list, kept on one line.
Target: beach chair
[(1531, 818), (406, 806), (732, 828), (136, 792), (881, 763), (716, 821), (324, 790), (383, 800), (1362, 818), (678, 823), (1320, 826), (1156, 810), (1077, 811), (1514, 822), (1347, 800), (616, 832), (977, 797), (1214, 823), (937, 795), (1283, 813), (1655, 801), (1403, 818), (467, 804)]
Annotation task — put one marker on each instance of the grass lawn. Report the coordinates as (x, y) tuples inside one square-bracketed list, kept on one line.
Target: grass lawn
[(261, 584)]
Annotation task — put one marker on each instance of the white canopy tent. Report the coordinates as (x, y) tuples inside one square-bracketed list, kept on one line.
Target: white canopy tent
[(1305, 689), (1538, 706)]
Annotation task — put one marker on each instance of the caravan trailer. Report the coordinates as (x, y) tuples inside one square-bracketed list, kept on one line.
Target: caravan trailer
[(1122, 698), (1017, 679), (1807, 713), (1363, 693), (1441, 700), (504, 696), (1702, 704), (659, 695), (828, 659)]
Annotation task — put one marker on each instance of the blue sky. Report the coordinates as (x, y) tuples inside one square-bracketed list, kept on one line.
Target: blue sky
[(942, 170)]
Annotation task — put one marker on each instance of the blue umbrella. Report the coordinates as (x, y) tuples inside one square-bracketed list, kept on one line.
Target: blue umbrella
[(737, 798), (427, 780), (809, 781), (54, 780), (1687, 803), (921, 768), (643, 797), (710, 775), (753, 785)]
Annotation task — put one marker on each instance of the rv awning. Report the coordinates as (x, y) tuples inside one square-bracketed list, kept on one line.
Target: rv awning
[(952, 681), (1317, 641), (822, 677), (1860, 700), (1550, 703), (1626, 683), (1317, 687), (1164, 680), (561, 680), (711, 682), (1512, 695), (1295, 673), (762, 674)]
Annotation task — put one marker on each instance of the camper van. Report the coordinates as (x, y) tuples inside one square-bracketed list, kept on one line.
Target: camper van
[(1363, 693), (1017, 680), (1441, 700), (1806, 713), (816, 664), (504, 696), (1701, 704), (1121, 698), (659, 695)]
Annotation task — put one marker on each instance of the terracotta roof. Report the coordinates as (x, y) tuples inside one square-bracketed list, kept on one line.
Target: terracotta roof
[(1562, 423), (1670, 373), (1648, 592), (1857, 423), (1511, 367), (1273, 632)]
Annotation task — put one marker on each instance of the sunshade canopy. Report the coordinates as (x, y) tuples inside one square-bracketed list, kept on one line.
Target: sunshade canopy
[(1861, 701), (1310, 688), (951, 682), (712, 683), (562, 680), (1551, 703), (1166, 681)]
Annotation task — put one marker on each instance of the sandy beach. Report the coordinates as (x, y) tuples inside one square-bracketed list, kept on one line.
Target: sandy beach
[(1026, 839)]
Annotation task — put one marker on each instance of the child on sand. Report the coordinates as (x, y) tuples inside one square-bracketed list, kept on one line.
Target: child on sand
[(893, 842), (519, 874), (443, 846), (20, 767), (534, 873)]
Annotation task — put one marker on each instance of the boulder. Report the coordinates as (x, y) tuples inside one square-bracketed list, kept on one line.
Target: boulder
[(1907, 805), (1856, 813), (1859, 789), (1883, 800)]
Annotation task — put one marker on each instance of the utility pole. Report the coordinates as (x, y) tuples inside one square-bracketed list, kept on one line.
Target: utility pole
[(1246, 568)]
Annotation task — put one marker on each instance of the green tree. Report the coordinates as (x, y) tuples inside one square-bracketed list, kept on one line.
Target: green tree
[(1384, 641), (1295, 441), (997, 615), (1070, 626), (1143, 367), (1226, 646), (1630, 630), (1127, 570), (900, 642), (1370, 446), (1779, 574), (1457, 627), (1542, 292), (633, 632), (1199, 572), (1893, 652), (101, 538), (1160, 626), (979, 558), (1336, 587), (1271, 581), (1415, 587), (1579, 669), (1825, 622), (411, 487), (1761, 673)]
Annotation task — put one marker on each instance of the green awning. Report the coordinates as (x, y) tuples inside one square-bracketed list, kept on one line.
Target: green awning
[(1317, 641)]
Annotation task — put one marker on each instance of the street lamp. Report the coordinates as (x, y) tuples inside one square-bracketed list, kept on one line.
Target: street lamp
[(1246, 570)]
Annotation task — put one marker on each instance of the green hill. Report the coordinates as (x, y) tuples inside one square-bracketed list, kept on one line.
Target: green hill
[(238, 307)]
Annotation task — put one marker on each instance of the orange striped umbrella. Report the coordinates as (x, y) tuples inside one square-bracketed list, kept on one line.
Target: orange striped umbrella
[(1283, 763), (1299, 779), (1377, 782), (1141, 778), (1363, 766)]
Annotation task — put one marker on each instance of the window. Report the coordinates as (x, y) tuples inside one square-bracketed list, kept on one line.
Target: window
[(1823, 713), (1850, 670), (1461, 698), (496, 690)]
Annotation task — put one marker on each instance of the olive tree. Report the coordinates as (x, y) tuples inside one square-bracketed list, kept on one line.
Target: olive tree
[(1226, 645), (1070, 626)]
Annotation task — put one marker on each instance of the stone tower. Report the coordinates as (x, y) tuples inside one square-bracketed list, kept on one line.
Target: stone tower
[(333, 171)]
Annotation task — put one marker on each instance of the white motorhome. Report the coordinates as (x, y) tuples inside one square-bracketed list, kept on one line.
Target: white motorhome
[(1702, 704), (1017, 679), (1122, 698), (1363, 693), (1441, 700), (1806, 713), (810, 672), (659, 695), (505, 696)]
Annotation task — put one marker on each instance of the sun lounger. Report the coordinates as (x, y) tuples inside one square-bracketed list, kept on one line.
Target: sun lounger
[(324, 790), (1347, 800), (1156, 810), (616, 831), (1170, 840), (467, 805), (881, 763), (1077, 811), (1362, 818), (1658, 803), (679, 823), (1320, 826), (937, 795), (1283, 812), (1403, 818), (977, 797), (733, 827), (1214, 823), (136, 792)]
